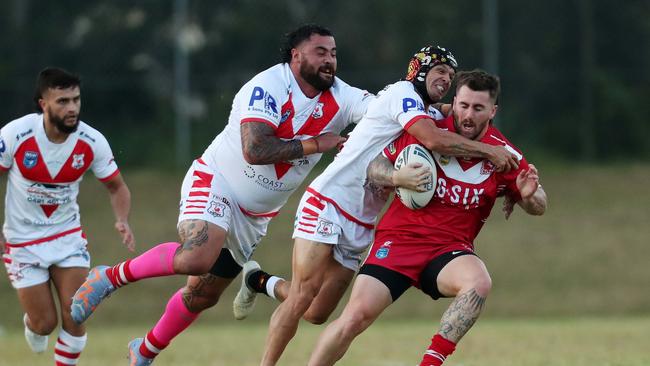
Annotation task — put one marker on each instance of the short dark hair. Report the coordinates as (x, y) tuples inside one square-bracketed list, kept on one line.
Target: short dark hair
[(53, 78), (296, 37), (479, 80)]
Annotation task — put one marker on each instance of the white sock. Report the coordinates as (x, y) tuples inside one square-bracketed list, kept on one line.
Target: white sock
[(68, 348), (270, 285)]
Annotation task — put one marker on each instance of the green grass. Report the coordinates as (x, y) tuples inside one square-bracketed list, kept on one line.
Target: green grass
[(586, 259), (521, 342)]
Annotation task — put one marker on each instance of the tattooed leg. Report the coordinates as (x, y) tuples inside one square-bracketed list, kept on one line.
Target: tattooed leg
[(200, 248), (202, 292), (461, 315)]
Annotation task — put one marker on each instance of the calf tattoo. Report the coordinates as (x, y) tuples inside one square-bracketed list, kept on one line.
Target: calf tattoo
[(461, 315), (194, 291)]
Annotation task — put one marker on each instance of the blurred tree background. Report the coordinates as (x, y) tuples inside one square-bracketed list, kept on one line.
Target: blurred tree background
[(159, 76)]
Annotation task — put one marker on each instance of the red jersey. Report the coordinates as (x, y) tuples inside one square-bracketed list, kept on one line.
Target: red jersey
[(466, 190)]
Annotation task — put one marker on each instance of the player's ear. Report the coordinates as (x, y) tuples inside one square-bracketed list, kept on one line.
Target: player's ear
[(494, 111), (41, 103), (295, 55)]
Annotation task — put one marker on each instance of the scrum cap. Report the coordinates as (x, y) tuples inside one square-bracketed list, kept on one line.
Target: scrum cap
[(422, 62), (426, 59)]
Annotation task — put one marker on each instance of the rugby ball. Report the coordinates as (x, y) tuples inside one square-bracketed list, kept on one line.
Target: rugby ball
[(415, 153)]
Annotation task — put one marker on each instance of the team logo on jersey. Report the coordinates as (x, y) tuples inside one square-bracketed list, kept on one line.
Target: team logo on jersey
[(318, 110), (325, 228), (382, 252), (216, 209), (77, 161), (30, 159), (3, 147), (487, 167)]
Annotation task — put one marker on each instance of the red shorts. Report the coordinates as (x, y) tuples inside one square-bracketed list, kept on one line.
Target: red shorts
[(407, 256)]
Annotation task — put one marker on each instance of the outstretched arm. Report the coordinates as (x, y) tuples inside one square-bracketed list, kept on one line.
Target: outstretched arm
[(121, 202), (449, 143), (260, 146)]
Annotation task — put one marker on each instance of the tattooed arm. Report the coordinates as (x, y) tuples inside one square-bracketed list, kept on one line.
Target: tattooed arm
[(413, 176), (449, 143), (260, 145)]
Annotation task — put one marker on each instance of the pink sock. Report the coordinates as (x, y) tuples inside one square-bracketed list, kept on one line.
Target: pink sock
[(174, 321), (155, 262)]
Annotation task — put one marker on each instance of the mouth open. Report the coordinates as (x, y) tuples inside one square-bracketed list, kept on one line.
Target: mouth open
[(467, 126), (326, 72)]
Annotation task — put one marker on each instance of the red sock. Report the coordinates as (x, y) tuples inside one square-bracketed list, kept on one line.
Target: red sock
[(156, 262), (438, 351), (151, 346)]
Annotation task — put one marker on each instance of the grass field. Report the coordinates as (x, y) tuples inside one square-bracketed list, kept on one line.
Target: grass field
[(557, 342), (569, 288)]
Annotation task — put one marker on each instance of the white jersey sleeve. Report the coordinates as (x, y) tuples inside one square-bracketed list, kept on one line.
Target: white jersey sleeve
[(404, 104), (103, 165), (260, 99), (7, 146), (355, 101)]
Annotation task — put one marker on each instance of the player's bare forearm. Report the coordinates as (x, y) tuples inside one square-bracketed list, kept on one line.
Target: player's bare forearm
[(120, 198), (535, 204), (260, 146), (380, 171), (449, 143), (453, 144)]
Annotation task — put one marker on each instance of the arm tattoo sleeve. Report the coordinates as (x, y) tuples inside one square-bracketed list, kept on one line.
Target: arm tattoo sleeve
[(380, 171), (261, 146)]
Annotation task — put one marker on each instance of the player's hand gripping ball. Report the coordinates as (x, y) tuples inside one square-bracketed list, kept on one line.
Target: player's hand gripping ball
[(415, 153)]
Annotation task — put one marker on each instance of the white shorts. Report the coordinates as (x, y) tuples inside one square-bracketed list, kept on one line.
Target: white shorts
[(28, 266), (205, 195), (321, 221)]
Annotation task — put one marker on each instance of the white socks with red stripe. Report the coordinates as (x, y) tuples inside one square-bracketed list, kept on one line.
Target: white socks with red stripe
[(68, 348)]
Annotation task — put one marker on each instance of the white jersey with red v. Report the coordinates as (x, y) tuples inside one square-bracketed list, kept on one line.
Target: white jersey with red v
[(466, 190), (274, 98), (44, 177), (397, 107)]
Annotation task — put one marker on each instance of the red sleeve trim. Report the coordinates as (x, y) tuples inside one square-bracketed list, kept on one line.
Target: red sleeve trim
[(246, 120), (4, 169), (415, 119), (115, 173)]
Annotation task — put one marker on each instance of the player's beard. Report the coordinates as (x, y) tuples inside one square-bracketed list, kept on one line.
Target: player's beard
[(311, 76), (458, 125), (60, 124)]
